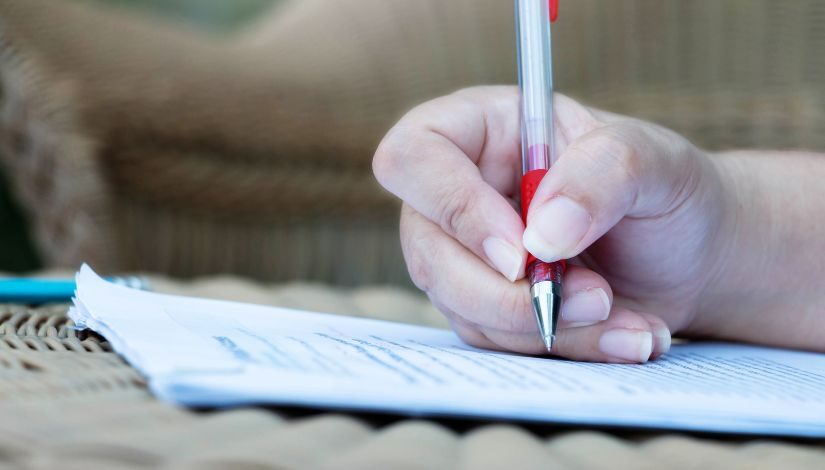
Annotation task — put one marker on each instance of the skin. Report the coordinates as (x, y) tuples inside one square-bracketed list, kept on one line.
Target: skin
[(663, 238)]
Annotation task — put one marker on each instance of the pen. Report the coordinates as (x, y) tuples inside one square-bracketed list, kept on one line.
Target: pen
[(533, 18), (40, 291)]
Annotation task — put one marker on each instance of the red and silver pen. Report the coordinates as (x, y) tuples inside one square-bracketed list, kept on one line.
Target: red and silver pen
[(533, 18)]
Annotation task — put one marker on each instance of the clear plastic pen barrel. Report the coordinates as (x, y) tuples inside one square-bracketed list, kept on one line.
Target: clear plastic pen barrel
[(536, 83)]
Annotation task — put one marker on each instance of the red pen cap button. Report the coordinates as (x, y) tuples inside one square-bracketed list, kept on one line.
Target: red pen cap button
[(554, 10)]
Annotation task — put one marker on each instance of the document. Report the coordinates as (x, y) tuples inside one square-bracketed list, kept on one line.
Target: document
[(211, 353)]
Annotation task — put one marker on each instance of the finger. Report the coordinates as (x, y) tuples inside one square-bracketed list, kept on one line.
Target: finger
[(621, 169), (501, 311), (572, 120), (587, 301), (661, 335), (587, 297), (625, 338), (459, 280), (473, 335), (470, 333), (454, 160)]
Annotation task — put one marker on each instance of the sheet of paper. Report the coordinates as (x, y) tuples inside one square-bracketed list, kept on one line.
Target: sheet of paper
[(211, 353)]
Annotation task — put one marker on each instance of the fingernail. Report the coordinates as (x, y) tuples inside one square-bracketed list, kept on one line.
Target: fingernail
[(630, 345), (554, 229), (586, 306), (504, 256), (661, 341), (579, 324)]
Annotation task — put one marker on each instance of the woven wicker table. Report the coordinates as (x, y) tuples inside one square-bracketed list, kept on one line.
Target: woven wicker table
[(67, 401)]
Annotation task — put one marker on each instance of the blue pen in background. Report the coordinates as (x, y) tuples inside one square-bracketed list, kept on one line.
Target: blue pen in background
[(42, 291)]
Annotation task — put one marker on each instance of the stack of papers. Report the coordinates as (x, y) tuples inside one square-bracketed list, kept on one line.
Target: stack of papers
[(212, 353)]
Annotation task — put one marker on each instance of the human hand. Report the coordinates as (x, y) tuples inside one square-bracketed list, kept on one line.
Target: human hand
[(639, 211)]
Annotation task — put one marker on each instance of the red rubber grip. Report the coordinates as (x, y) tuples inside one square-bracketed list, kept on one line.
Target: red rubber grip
[(529, 183), (541, 271)]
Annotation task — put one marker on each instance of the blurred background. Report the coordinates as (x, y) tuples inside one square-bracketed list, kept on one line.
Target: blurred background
[(17, 251), (193, 137)]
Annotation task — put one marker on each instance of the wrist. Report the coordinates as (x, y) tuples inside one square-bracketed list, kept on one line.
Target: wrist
[(730, 264), (767, 286)]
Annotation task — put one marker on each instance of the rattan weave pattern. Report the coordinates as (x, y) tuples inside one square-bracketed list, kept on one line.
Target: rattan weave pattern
[(43, 356), (67, 402)]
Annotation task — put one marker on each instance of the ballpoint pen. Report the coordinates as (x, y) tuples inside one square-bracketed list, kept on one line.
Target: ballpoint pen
[(533, 18)]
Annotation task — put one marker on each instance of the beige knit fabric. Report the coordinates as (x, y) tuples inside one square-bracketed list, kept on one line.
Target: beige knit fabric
[(66, 402), (140, 144)]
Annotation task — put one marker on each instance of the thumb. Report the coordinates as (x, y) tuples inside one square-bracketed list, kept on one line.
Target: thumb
[(624, 168)]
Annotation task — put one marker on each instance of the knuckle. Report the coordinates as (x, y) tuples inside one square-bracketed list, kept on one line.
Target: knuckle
[(621, 151), (471, 98), (471, 335), (418, 269), (386, 161), (441, 307), (403, 137), (418, 253), (515, 311), (479, 93), (455, 204), (621, 155)]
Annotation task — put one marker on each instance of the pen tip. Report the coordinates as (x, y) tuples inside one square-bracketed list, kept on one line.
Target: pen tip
[(548, 342), (547, 306)]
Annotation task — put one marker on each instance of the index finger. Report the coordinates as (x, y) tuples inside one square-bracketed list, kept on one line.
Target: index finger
[(455, 161)]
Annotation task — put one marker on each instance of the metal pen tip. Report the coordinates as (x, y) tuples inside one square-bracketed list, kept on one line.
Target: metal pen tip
[(547, 305), (548, 342)]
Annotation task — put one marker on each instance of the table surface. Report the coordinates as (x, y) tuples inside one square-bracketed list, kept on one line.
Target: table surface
[(67, 401)]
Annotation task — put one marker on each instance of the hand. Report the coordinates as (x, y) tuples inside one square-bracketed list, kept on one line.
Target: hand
[(637, 209)]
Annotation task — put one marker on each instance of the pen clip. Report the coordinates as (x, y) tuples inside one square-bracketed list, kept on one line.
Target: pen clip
[(554, 10)]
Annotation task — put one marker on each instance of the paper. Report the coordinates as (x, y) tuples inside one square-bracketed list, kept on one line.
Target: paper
[(211, 353)]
